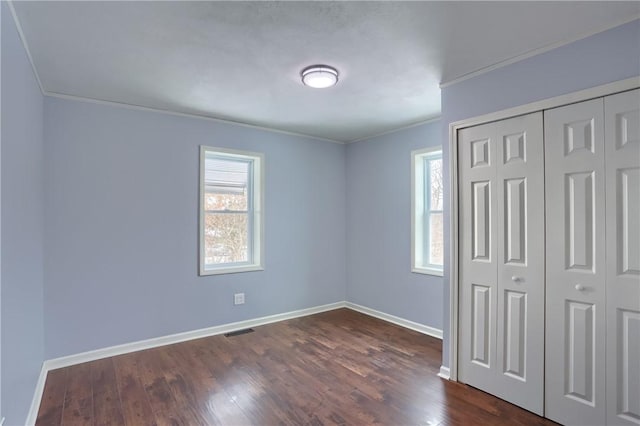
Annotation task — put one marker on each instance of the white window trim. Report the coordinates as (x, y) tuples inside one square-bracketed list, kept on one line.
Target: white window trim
[(258, 213), (417, 208)]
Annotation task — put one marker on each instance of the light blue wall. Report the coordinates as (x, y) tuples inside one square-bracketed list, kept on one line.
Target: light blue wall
[(122, 226), (602, 58), (120, 195), (379, 229), (22, 226)]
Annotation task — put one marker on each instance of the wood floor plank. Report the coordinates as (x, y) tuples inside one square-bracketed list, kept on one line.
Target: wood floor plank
[(166, 409), (136, 409), (106, 398), (184, 387), (50, 411), (214, 401), (334, 368), (78, 400)]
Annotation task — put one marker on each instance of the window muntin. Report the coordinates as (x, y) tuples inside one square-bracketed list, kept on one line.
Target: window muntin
[(230, 211), (427, 212)]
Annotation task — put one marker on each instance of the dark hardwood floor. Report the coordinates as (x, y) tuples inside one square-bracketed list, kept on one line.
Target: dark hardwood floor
[(338, 367)]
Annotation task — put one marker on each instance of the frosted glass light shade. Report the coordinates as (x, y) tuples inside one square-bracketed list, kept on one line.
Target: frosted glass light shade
[(319, 76)]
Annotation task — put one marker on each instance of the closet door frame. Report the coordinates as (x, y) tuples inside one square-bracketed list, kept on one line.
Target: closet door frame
[(451, 372)]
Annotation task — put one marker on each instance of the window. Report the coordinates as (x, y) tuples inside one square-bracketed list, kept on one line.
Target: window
[(427, 246), (231, 200)]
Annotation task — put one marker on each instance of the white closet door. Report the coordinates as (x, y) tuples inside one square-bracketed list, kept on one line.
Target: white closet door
[(478, 256), (575, 292), (622, 157), (502, 259), (520, 218)]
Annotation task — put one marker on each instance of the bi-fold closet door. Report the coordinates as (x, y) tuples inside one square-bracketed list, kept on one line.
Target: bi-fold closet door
[(575, 361), (564, 342), (622, 184), (502, 259), (592, 163)]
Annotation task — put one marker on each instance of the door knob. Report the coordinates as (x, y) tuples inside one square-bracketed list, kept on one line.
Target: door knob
[(516, 279), (579, 287)]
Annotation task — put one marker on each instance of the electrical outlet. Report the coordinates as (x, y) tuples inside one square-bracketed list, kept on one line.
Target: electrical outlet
[(238, 299)]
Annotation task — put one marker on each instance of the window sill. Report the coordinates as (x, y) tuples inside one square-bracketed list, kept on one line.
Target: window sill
[(231, 270), (427, 271)]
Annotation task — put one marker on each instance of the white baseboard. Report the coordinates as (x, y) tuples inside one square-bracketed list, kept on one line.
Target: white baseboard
[(140, 345), (421, 328), (37, 396), (444, 373), (69, 360)]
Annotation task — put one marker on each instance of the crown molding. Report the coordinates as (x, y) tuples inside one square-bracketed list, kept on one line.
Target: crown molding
[(534, 52)]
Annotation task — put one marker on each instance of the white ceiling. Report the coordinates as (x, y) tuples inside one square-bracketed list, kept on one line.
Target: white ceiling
[(241, 61)]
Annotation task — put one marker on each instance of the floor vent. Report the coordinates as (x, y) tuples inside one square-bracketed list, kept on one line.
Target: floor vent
[(239, 332)]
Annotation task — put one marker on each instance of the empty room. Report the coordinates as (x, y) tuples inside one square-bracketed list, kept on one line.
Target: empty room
[(319, 213)]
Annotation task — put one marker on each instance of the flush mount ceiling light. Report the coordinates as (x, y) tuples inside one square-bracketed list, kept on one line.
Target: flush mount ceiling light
[(319, 76)]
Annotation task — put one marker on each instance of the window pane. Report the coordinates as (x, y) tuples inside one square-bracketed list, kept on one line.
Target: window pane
[(217, 201), (225, 238), (436, 246), (435, 178)]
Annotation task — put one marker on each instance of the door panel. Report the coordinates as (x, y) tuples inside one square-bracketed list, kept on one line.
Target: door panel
[(481, 320), (622, 127), (514, 360), (579, 225), (502, 259), (515, 236), (575, 263), (481, 225), (520, 231), (478, 289), (627, 209), (627, 397), (580, 352)]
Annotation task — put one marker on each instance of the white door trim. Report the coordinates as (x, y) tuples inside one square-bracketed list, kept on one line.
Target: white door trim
[(582, 95)]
